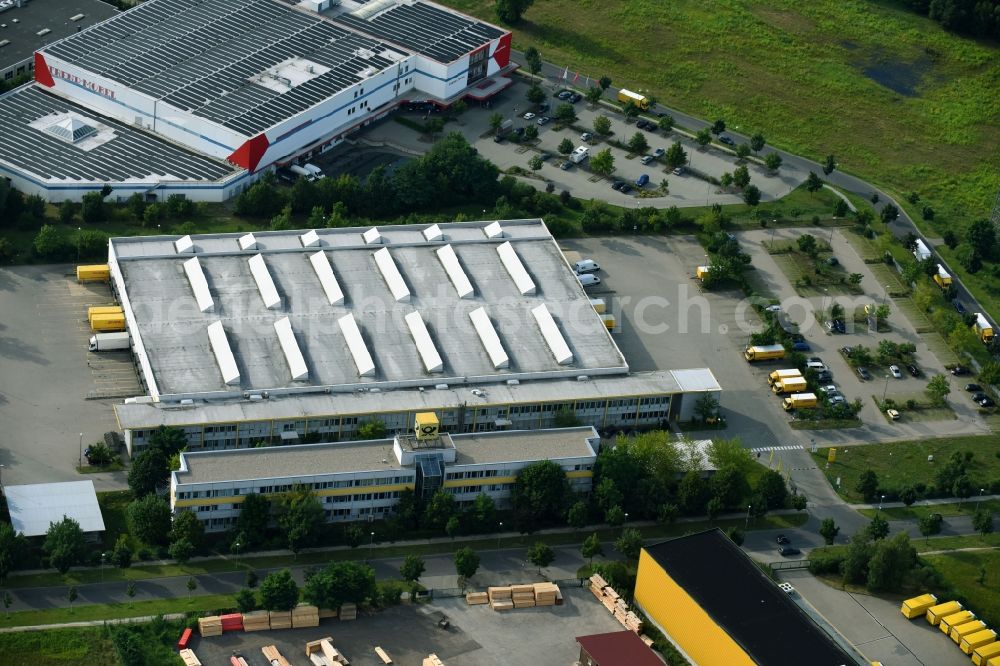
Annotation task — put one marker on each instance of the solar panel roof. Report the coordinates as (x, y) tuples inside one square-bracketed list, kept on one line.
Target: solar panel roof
[(131, 154)]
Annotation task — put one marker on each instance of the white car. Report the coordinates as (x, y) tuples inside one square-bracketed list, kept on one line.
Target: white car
[(773, 308), (528, 116), (829, 389), (892, 414), (586, 266), (894, 369), (646, 159), (586, 136), (816, 365), (589, 280)]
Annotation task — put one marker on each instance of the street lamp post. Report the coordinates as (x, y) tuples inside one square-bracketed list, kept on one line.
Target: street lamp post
[(81, 449), (2, 467), (746, 524), (880, 500), (103, 555), (236, 547), (371, 545), (624, 523), (981, 490), (498, 535)]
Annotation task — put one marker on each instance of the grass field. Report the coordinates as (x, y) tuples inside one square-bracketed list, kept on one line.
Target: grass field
[(904, 463), (923, 409), (210, 602), (897, 99), (964, 571), (58, 647), (966, 508)]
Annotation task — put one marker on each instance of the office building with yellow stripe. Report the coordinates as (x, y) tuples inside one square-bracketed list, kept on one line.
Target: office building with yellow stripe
[(363, 480), (713, 603)]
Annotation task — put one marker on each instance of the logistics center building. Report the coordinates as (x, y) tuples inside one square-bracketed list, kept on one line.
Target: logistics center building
[(215, 91), (303, 336)]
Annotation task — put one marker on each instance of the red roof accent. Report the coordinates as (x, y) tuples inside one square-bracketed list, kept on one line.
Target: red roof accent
[(502, 52), (619, 648), (249, 154), (42, 73)]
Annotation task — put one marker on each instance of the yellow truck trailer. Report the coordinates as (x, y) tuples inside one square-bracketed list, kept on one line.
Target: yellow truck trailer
[(701, 271), (787, 373), (599, 305), (955, 619), (609, 321), (935, 613), (93, 273), (799, 401), (917, 606), (764, 353), (983, 328), (790, 385), (942, 277), (108, 323), (977, 640), (626, 96), (103, 310), (982, 655), (960, 631)]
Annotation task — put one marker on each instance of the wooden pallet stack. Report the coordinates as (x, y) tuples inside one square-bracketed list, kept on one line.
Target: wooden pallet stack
[(646, 639), (256, 621), (272, 654), (477, 598), (349, 612), (327, 613), (546, 594), (614, 603), (500, 598), (280, 619), (632, 622), (189, 658), (304, 615), (523, 596), (210, 626), (432, 660)]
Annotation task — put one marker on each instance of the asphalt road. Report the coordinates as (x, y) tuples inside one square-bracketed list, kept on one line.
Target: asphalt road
[(902, 226)]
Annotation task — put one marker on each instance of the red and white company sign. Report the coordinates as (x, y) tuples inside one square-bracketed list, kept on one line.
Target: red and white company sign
[(84, 83)]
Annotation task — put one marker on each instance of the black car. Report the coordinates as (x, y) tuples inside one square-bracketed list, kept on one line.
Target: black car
[(786, 551), (914, 370), (543, 107), (978, 395), (824, 376), (575, 97), (545, 157), (973, 388), (846, 351), (782, 539), (959, 370), (986, 401), (864, 374), (641, 124), (564, 94), (959, 308), (617, 185), (726, 140), (626, 188)]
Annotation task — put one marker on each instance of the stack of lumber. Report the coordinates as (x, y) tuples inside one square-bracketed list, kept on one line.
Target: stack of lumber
[(632, 622), (256, 621), (383, 655), (272, 655), (316, 646), (523, 596), (614, 603), (189, 658), (231, 622), (236, 660), (327, 612), (432, 660), (331, 653), (304, 615), (646, 639), (500, 598), (477, 598), (349, 612), (280, 619), (545, 594), (210, 626), (620, 610)]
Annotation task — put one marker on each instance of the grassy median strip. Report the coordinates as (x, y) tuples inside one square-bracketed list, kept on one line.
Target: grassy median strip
[(114, 611), (966, 508)]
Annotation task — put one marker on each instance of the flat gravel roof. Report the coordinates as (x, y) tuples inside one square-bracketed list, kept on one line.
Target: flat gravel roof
[(54, 16)]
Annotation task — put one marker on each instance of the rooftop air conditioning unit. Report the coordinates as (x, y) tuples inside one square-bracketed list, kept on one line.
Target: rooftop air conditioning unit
[(582, 378), (441, 387), (256, 397), (513, 382)]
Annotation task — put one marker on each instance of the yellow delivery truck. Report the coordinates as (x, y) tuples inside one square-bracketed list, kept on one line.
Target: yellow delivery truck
[(799, 401), (764, 353), (982, 655), (942, 277), (626, 96), (955, 619), (93, 273), (108, 323), (983, 328), (102, 310), (978, 639), (960, 631), (917, 606), (790, 385), (777, 375), (935, 613)]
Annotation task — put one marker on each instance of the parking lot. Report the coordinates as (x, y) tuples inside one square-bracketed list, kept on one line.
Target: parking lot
[(477, 635), (51, 388)]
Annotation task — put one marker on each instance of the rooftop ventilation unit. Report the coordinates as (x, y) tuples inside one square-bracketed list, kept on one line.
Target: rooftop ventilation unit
[(425, 345), (448, 258), (488, 336), (310, 239), (324, 271), (393, 278), (553, 336), (372, 236), (516, 269), (433, 233), (223, 353), (265, 285), (356, 343), (248, 242), (296, 364), (199, 285), (184, 245), (493, 230)]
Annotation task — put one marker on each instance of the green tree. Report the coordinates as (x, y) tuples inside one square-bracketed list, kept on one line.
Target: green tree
[(890, 563), (92, 208), (676, 155), (300, 516), (982, 521), (629, 544), (807, 244), (867, 485), (372, 429), (130, 592), (772, 161), (535, 94), (726, 179), (340, 583), (854, 568), (929, 524), (666, 123), (64, 544), (530, 132), (466, 563), (483, 513), (604, 82), (591, 547), (757, 142), (149, 471), (535, 162), (192, 585), (496, 121), (603, 163), (565, 147), (283, 220), (71, 595), (703, 137), (246, 600), (692, 492), (565, 113), (52, 242), (718, 127), (989, 372), (255, 513), (908, 495), (829, 531), (668, 514), (713, 508), (878, 528), (594, 94), (602, 124), (13, 546), (541, 555), (751, 195), (67, 211), (723, 453), (186, 526), (511, 11), (181, 550), (981, 236), (888, 213), (855, 278), (565, 418), (937, 389), (742, 151), (452, 526), (279, 591), (741, 176), (540, 493), (615, 516), (149, 519), (121, 555), (533, 59), (440, 508), (638, 144), (814, 183), (829, 165), (630, 110), (729, 485), (772, 488), (412, 568), (735, 535), (962, 488), (578, 515)]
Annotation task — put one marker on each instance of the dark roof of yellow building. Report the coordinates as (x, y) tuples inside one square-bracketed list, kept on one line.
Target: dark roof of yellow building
[(744, 603)]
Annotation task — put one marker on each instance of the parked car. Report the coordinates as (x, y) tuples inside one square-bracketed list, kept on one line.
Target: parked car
[(816, 363), (864, 374), (586, 136), (824, 376), (959, 308), (528, 116), (543, 107), (586, 266), (641, 124), (589, 280), (642, 180), (564, 94), (801, 346), (892, 414), (617, 185), (986, 401), (727, 140), (543, 120), (973, 388), (519, 131), (959, 370), (773, 308), (846, 351), (782, 539), (646, 159), (678, 171), (978, 395), (829, 389), (796, 337), (786, 551), (626, 188), (894, 369), (913, 370), (836, 326), (566, 166), (838, 400), (575, 97), (659, 152)]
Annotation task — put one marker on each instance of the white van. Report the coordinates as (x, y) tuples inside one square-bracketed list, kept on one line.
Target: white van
[(586, 266), (589, 280)]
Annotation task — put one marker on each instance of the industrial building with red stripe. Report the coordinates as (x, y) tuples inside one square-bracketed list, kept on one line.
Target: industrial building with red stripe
[(200, 97)]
